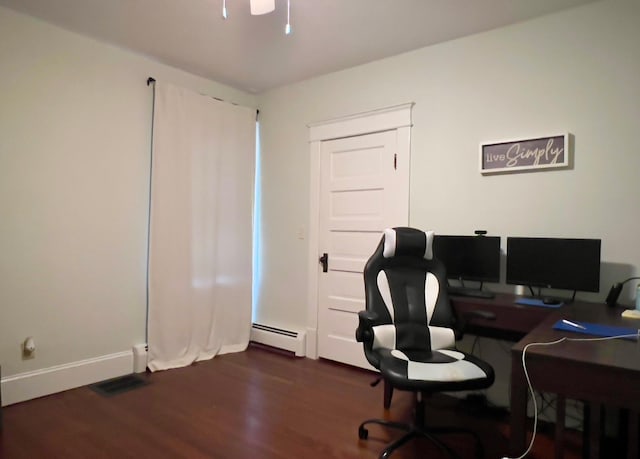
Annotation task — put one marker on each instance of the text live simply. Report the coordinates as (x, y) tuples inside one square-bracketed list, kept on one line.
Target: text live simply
[(515, 153)]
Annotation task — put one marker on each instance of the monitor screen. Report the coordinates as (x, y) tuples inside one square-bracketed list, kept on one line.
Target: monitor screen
[(569, 264), (475, 258)]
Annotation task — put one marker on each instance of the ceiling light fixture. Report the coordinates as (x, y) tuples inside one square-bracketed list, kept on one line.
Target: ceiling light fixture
[(262, 6), (259, 7)]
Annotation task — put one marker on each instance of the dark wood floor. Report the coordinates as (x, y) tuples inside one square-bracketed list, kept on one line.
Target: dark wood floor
[(255, 404)]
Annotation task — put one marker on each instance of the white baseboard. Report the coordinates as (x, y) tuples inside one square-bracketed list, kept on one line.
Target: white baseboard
[(312, 343), (38, 383)]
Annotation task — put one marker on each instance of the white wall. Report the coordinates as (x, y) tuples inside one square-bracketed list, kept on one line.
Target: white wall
[(74, 163), (573, 71), (75, 129)]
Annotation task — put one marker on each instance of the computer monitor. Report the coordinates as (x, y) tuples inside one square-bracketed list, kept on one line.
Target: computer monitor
[(474, 258), (566, 264)]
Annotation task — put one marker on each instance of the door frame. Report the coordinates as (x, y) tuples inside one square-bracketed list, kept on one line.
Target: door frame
[(397, 117)]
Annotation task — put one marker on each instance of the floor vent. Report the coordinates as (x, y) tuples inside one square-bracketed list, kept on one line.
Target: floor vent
[(118, 385), (288, 340)]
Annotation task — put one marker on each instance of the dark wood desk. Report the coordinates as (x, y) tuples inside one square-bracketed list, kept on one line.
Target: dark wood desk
[(512, 321), (598, 372)]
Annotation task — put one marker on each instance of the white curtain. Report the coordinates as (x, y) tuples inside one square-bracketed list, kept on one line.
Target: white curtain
[(200, 246)]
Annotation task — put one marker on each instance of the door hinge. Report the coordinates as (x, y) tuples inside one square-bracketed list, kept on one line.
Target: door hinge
[(395, 161)]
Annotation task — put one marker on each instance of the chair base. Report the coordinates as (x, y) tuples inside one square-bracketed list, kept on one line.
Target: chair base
[(413, 431), (418, 429)]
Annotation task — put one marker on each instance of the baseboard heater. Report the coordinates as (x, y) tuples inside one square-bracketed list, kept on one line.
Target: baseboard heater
[(293, 341)]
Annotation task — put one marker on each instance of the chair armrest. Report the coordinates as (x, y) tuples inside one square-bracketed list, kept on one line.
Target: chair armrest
[(366, 320)]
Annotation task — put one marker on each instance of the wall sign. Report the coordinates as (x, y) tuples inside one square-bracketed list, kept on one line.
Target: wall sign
[(537, 153)]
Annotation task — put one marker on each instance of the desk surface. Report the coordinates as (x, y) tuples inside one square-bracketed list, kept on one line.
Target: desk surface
[(616, 353), (602, 372), (512, 321)]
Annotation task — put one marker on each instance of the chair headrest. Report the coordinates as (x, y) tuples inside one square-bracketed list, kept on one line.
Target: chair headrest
[(408, 242)]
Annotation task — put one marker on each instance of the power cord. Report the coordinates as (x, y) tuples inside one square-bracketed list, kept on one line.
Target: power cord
[(531, 391)]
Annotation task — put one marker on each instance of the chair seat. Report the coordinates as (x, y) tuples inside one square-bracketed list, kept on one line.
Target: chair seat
[(432, 371)]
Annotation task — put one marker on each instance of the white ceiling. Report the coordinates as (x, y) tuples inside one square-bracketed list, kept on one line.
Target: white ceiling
[(253, 54)]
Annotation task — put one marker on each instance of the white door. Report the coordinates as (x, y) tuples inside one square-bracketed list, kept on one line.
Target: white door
[(363, 190)]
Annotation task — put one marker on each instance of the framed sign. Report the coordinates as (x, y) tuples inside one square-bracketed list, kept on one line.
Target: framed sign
[(529, 154)]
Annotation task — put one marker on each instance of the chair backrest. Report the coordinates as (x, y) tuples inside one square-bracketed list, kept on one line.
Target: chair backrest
[(405, 286)]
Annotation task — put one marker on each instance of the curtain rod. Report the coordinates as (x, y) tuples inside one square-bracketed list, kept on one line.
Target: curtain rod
[(151, 80)]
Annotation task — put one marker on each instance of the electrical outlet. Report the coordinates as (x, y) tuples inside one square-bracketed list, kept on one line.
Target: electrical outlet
[(28, 348)]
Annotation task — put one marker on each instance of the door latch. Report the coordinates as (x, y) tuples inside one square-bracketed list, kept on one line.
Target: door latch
[(324, 259)]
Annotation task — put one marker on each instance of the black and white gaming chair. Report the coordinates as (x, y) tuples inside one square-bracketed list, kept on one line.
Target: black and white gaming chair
[(409, 331)]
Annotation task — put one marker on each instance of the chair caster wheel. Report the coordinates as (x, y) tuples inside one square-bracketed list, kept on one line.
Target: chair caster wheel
[(363, 433)]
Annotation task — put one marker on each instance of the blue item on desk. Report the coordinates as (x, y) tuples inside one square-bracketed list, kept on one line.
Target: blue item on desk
[(537, 302), (588, 328)]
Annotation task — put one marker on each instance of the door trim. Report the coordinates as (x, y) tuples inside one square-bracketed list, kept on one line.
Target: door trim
[(396, 117)]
